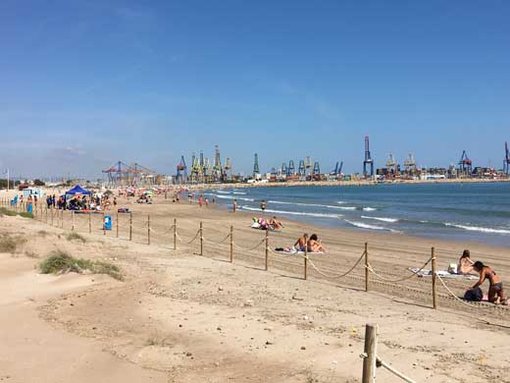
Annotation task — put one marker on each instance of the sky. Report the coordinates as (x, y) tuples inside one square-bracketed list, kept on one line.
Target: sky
[(86, 83)]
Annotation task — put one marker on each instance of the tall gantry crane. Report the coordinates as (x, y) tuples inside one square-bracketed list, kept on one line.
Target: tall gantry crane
[(506, 161), (465, 164), (368, 160)]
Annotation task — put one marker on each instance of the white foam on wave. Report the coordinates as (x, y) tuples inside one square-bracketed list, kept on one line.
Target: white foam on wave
[(368, 208), (383, 219), (478, 228), (321, 215), (222, 192), (239, 193), (234, 197), (362, 225), (312, 205)]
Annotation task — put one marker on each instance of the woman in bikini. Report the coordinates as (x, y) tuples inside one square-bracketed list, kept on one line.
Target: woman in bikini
[(495, 285), (314, 245), (465, 265)]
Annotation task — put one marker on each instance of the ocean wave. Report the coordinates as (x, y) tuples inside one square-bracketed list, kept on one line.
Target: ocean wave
[(312, 205), (383, 219), (368, 208), (370, 227), (239, 193), (321, 215), (478, 228), (234, 197), (222, 192)]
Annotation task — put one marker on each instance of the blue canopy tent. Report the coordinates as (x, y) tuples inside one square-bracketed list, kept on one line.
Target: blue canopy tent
[(77, 189)]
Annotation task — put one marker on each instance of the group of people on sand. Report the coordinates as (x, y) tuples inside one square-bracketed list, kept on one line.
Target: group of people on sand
[(311, 244), (466, 266), (267, 224)]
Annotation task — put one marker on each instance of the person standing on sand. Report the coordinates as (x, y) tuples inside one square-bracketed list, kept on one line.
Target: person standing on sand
[(495, 285), (234, 206)]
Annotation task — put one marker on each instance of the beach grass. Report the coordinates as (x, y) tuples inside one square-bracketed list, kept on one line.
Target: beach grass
[(8, 244), (10, 213), (75, 236), (61, 262), (7, 212)]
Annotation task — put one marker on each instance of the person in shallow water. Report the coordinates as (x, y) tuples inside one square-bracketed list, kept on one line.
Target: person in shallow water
[(495, 285)]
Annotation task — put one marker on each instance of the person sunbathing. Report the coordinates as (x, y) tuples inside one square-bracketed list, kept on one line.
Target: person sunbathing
[(300, 244), (495, 285), (314, 245), (465, 264), (275, 224)]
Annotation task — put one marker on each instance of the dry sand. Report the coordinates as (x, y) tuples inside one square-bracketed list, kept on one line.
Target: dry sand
[(180, 317)]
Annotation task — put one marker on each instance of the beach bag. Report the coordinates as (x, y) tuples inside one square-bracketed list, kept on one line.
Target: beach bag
[(474, 295), (452, 268)]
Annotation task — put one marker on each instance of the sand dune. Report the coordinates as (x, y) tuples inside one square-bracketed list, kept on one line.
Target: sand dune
[(180, 317)]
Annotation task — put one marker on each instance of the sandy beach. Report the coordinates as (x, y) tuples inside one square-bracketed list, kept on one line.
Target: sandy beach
[(181, 317)]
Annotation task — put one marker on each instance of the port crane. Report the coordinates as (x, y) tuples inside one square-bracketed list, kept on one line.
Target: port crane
[(368, 160), (506, 161), (465, 164)]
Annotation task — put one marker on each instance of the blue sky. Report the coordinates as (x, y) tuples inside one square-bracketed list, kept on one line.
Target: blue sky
[(85, 83)]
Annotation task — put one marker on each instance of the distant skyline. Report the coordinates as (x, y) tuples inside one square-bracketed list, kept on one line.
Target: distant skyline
[(85, 83)]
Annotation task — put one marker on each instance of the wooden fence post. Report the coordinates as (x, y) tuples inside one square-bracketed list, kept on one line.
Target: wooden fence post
[(148, 229), (46, 218), (434, 276), (130, 226), (62, 218), (305, 266), (90, 222), (117, 224), (104, 226), (367, 273), (52, 213), (231, 243), (267, 251), (370, 356), (201, 239), (72, 213), (175, 233)]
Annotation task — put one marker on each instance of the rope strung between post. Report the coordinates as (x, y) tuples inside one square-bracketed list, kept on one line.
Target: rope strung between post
[(158, 232), (188, 242), (338, 275), (381, 363), (217, 243), (413, 273), (249, 249)]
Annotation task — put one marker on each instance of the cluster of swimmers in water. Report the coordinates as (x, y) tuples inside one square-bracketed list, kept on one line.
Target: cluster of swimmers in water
[(466, 266)]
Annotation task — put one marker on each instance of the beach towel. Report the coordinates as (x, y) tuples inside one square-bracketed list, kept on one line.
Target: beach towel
[(294, 251), (441, 273)]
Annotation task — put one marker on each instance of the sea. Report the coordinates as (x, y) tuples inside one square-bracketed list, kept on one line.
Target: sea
[(478, 212)]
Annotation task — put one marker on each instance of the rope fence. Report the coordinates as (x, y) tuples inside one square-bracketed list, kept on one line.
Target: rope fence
[(140, 227)]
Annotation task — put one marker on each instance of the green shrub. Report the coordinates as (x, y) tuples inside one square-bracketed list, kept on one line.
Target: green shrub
[(75, 236), (25, 214), (8, 244), (10, 213), (61, 262)]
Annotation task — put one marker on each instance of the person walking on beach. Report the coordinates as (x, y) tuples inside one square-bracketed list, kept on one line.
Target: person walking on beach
[(234, 206), (495, 285)]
